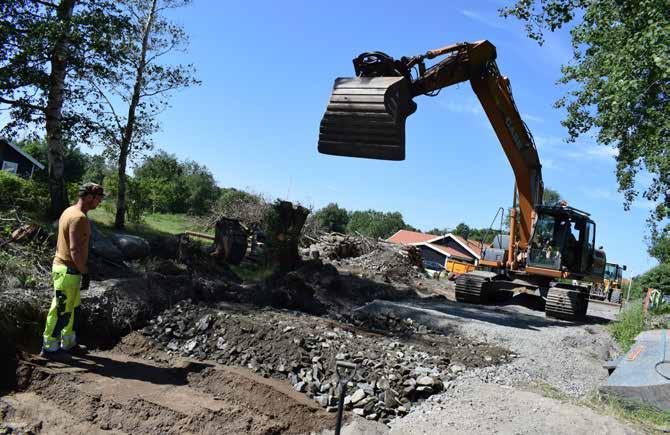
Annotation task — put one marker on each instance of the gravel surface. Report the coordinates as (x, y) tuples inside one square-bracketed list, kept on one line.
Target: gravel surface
[(488, 409), (552, 358), (567, 356)]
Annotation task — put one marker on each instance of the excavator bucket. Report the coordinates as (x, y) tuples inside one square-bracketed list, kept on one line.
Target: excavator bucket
[(365, 117)]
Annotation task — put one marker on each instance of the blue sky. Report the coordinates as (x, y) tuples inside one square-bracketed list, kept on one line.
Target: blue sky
[(267, 70)]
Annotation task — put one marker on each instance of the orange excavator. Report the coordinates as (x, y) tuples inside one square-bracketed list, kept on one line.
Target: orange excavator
[(547, 246)]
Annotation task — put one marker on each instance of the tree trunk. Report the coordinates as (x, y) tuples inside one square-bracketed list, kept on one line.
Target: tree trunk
[(127, 138), (54, 116), (285, 229), (120, 218)]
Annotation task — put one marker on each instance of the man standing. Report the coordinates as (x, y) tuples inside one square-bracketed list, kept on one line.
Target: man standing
[(70, 272)]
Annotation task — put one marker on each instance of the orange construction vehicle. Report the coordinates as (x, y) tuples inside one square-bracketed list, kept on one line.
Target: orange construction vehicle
[(546, 245)]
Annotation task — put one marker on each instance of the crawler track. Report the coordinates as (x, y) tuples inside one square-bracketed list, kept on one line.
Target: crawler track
[(471, 287), (566, 304)]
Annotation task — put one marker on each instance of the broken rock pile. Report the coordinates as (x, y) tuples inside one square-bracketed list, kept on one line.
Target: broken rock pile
[(303, 349), (387, 262), (335, 246)]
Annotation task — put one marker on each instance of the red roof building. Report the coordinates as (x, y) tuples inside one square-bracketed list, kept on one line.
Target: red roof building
[(440, 249)]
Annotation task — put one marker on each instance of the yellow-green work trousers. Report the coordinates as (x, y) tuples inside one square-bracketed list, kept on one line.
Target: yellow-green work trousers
[(62, 319)]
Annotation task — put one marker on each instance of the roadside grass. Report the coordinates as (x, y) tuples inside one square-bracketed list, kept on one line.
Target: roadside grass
[(154, 224), (629, 325), (547, 390), (649, 419)]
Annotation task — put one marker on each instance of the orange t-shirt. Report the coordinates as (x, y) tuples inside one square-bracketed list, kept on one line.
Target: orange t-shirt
[(72, 218)]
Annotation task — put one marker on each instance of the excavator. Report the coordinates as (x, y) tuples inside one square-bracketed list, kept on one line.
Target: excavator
[(548, 248)]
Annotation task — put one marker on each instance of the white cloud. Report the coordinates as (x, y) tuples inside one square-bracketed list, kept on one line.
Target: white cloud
[(548, 141), (495, 22), (602, 151), (466, 107), (644, 204), (550, 164), (529, 117), (600, 193)]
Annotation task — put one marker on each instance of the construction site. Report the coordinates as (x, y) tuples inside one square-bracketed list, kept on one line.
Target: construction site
[(191, 348), (240, 314)]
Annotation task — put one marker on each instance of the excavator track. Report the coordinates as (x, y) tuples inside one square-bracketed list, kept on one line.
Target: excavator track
[(566, 304), (471, 287)]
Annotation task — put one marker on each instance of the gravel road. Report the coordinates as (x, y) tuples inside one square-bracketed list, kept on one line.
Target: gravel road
[(551, 355)]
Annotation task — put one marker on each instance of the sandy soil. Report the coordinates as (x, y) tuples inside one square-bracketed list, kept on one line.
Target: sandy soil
[(111, 391)]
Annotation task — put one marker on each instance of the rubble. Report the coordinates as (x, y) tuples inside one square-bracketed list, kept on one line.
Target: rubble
[(392, 374), (369, 258)]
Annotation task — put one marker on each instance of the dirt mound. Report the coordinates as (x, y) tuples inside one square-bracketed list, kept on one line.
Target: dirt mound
[(383, 264), (303, 349)]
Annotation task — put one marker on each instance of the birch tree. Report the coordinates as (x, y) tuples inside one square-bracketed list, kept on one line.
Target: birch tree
[(126, 113)]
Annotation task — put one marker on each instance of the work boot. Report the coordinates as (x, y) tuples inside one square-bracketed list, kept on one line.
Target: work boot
[(56, 355), (77, 350)]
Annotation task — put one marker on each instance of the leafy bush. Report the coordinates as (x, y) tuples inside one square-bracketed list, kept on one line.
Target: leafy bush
[(28, 194), (375, 224), (657, 277)]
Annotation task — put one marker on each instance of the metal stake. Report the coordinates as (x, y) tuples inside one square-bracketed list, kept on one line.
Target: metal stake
[(343, 377)]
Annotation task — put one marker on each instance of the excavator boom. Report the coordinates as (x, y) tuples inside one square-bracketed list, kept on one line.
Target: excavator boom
[(366, 115)]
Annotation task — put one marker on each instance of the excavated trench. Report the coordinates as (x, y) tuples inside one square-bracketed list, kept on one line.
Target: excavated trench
[(186, 354)]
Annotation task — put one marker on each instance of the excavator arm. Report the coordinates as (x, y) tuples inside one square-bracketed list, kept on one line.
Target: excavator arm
[(366, 115)]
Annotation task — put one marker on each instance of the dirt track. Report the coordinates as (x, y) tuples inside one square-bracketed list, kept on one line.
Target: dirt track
[(106, 391)]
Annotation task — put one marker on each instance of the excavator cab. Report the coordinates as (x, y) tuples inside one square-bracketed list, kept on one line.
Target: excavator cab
[(564, 240)]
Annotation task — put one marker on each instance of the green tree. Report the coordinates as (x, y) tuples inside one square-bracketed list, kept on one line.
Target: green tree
[(657, 277), (96, 169), (333, 218), (161, 178), (49, 51), (462, 230), (438, 232), (550, 196), (620, 81), (375, 224), (201, 188), (659, 245), (75, 162), (127, 118)]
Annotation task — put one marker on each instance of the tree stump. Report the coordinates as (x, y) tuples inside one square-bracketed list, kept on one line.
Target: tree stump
[(230, 240), (285, 225)]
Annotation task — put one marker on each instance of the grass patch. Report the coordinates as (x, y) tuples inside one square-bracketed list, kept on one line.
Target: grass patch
[(253, 272), (629, 325), (155, 224), (546, 390), (649, 419)]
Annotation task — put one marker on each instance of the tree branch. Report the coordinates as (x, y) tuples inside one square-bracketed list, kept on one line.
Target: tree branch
[(46, 3), (160, 91), (23, 104), (109, 104), (164, 52)]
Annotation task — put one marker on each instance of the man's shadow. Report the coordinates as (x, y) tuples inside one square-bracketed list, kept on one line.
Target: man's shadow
[(112, 368)]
